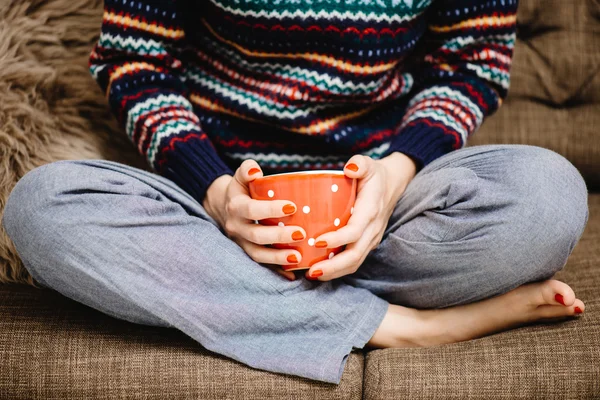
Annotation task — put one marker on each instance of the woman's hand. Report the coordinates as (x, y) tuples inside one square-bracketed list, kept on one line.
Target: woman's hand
[(228, 201), (380, 185)]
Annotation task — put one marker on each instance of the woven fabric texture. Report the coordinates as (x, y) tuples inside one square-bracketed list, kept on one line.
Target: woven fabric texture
[(54, 348), (554, 96)]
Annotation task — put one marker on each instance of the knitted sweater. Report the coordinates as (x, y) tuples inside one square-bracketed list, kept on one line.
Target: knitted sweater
[(201, 85)]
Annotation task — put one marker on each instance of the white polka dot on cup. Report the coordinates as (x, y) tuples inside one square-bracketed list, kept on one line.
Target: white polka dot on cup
[(331, 255), (281, 224), (306, 209), (336, 222), (334, 188), (271, 193), (311, 241)]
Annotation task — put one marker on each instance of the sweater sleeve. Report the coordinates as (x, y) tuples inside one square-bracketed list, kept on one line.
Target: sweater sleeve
[(462, 77), (136, 62)]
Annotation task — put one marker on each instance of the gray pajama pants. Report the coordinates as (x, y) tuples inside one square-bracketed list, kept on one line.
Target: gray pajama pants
[(473, 224)]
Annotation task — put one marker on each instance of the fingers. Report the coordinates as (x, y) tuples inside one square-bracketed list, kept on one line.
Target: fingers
[(289, 275), (344, 263), (266, 255), (245, 207), (261, 234), (241, 205), (365, 208), (358, 166), (248, 171), (365, 212)]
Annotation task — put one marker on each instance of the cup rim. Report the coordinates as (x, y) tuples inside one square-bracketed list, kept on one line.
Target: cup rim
[(312, 172)]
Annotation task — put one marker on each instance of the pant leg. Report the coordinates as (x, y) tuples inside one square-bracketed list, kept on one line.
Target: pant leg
[(135, 246), (477, 223)]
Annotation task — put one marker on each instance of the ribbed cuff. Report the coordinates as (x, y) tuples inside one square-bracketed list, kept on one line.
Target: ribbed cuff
[(422, 142), (194, 165)]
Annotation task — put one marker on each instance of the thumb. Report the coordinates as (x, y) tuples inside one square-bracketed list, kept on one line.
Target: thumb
[(358, 166), (248, 171)]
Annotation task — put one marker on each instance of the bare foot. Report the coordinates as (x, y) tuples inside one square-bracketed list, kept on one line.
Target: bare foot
[(407, 327)]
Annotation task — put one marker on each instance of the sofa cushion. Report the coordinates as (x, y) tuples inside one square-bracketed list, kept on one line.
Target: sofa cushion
[(554, 97), (541, 361), (54, 348)]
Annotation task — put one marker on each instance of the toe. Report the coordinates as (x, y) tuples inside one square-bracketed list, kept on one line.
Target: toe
[(555, 292), (549, 311), (577, 308)]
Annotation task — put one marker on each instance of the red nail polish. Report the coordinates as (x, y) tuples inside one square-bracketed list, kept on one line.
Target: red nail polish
[(297, 235), (559, 298), (253, 171), (289, 209), (578, 310), (321, 244), (352, 167), (292, 258), (316, 273)]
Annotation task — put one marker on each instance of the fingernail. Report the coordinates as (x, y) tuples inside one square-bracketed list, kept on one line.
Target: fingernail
[(316, 273), (297, 235), (352, 167), (578, 310), (253, 171), (289, 209), (559, 298), (292, 258), (321, 244)]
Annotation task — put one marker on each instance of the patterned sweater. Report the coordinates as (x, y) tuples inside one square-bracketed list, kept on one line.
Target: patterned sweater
[(201, 85)]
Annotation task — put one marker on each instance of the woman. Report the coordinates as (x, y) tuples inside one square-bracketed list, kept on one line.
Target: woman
[(445, 244)]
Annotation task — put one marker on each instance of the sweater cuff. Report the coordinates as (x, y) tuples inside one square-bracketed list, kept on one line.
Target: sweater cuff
[(193, 164), (424, 141)]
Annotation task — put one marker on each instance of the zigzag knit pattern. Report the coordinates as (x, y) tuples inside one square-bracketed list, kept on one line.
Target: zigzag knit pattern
[(199, 86)]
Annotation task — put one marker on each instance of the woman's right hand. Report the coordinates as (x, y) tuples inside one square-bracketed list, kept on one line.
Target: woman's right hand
[(228, 201)]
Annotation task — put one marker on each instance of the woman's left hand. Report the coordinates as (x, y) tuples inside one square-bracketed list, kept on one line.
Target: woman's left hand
[(380, 185)]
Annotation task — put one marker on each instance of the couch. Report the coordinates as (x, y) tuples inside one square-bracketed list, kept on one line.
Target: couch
[(54, 348)]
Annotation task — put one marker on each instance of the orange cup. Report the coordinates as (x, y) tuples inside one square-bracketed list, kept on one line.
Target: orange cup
[(324, 202)]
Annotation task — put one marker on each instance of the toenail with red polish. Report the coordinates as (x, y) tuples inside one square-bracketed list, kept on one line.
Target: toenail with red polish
[(578, 310), (559, 298)]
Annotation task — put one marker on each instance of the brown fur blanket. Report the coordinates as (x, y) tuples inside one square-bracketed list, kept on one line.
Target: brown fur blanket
[(50, 107)]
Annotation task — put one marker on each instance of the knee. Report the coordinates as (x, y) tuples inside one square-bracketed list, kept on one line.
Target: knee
[(550, 213), (35, 196)]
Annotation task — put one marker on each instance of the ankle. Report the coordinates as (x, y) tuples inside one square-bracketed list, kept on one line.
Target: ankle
[(412, 327)]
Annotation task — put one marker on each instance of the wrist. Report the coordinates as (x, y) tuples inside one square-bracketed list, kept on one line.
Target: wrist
[(214, 200), (401, 169)]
